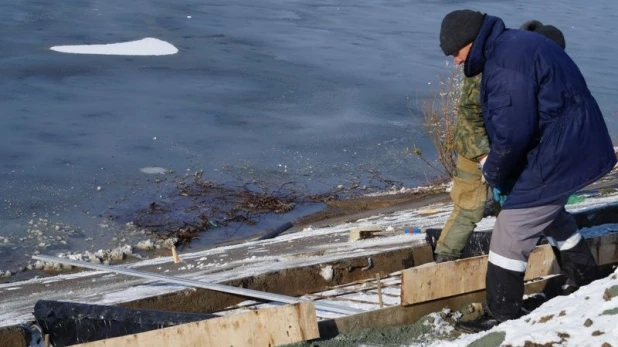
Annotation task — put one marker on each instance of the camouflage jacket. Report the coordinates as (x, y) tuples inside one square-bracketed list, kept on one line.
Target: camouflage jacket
[(470, 137)]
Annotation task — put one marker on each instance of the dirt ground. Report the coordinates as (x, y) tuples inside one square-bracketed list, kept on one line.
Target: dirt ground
[(433, 327), (196, 205), (390, 336), (342, 211), (14, 337)]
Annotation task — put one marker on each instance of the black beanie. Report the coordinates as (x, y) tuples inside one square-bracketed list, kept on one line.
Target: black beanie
[(531, 25), (458, 29), (552, 33), (549, 31)]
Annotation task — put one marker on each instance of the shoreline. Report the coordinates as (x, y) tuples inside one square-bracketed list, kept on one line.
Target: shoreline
[(335, 212), (143, 248), (268, 265)]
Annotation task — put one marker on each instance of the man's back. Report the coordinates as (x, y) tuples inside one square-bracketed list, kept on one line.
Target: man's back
[(547, 133)]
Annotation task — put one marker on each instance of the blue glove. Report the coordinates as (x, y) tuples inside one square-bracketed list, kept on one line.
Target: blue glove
[(499, 196)]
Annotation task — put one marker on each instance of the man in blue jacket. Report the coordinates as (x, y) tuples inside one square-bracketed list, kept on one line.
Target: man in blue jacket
[(547, 139), (469, 191)]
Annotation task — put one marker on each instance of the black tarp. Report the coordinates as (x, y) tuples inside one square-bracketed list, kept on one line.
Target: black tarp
[(69, 323)]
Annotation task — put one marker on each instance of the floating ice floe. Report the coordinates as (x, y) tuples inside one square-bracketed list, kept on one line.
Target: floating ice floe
[(154, 170), (147, 46)]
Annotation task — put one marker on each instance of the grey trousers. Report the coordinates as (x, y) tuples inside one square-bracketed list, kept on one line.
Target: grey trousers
[(515, 235), (518, 231)]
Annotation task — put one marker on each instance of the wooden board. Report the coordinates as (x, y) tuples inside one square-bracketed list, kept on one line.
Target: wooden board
[(427, 212), (604, 248), (265, 327), (434, 281), (404, 315)]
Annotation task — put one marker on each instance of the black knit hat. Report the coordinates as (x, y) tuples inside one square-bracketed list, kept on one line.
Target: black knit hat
[(549, 31), (553, 34), (458, 29), (531, 25)]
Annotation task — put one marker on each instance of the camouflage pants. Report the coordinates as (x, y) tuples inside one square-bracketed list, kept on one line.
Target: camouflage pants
[(469, 195)]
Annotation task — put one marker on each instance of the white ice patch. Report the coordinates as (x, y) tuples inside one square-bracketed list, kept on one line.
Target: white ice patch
[(327, 273), (148, 46), (145, 245), (153, 170)]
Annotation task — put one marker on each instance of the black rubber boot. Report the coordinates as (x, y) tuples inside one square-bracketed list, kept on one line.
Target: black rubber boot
[(578, 265), (505, 291), (483, 323), (487, 321), (441, 258), (532, 302)]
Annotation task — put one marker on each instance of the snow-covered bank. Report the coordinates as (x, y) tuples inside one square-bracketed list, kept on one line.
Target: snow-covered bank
[(588, 317)]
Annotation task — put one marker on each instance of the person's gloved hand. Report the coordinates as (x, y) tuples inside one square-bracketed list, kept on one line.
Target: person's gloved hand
[(500, 196), (492, 207)]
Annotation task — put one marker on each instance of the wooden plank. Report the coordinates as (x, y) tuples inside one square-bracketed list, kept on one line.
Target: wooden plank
[(421, 255), (265, 327), (542, 262), (604, 248), (404, 315), (428, 212), (433, 281)]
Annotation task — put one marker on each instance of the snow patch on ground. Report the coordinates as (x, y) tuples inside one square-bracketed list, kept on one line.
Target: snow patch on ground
[(422, 189), (588, 317)]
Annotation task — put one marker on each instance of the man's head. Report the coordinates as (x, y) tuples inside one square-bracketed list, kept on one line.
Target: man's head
[(549, 31), (459, 28)]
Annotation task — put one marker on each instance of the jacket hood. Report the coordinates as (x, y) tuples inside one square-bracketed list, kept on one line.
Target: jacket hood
[(492, 28)]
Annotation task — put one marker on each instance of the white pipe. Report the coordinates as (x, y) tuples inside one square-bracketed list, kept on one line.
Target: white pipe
[(193, 283)]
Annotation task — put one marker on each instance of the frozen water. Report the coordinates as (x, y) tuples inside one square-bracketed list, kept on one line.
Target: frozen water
[(317, 92)]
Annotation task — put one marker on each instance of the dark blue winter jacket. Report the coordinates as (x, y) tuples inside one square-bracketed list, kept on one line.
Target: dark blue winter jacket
[(548, 136)]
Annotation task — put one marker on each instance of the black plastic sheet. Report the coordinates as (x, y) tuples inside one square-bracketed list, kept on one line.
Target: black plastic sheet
[(69, 323)]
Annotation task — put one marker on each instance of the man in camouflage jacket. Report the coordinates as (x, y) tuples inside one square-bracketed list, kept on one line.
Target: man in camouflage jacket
[(472, 197), (469, 191)]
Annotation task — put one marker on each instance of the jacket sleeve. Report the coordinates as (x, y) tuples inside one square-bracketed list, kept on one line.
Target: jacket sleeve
[(511, 108), (470, 140)]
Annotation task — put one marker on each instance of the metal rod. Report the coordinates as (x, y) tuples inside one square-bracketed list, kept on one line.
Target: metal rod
[(379, 290), (193, 283)]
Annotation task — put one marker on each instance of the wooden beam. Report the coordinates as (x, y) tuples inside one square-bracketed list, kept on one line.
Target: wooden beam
[(434, 281), (403, 315), (272, 326), (604, 248)]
